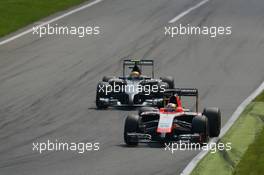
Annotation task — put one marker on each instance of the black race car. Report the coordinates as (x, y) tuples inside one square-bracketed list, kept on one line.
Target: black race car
[(132, 90), (173, 122)]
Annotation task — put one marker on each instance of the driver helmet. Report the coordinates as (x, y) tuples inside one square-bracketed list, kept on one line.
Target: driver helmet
[(171, 107), (136, 68), (134, 74)]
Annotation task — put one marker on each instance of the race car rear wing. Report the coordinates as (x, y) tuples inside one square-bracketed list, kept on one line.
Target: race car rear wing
[(190, 92), (138, 63), (183, 91)]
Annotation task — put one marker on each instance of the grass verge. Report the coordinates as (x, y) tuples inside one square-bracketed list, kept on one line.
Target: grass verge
[(247, 139), (19, 13)]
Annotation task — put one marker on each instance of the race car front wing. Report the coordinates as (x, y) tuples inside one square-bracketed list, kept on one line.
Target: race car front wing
[(117, 103), (147, 138)]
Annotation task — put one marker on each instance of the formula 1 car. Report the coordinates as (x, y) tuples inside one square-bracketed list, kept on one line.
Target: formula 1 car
[(133, 90), (173, 122)]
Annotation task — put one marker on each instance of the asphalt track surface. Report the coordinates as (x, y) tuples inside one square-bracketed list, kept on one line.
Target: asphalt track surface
[(47, 85)]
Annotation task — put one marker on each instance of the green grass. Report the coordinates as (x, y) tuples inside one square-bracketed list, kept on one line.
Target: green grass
[(19, 13), (259, 98), (253, 160), (247, 138)]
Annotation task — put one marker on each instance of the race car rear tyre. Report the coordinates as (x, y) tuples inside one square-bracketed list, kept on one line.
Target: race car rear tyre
[(131, 126), (146, 109), (169, 80), (107, 78), (214, 120), (200, 125), (101, 93), (163, 86)]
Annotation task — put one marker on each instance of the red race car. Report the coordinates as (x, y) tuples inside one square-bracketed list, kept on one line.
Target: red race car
[(173, 122)]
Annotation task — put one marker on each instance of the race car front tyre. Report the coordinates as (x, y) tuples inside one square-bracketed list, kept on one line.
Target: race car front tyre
[(169, 80), (214, 120), (101, 93), (100, 104), (200, 125), (131, 126)]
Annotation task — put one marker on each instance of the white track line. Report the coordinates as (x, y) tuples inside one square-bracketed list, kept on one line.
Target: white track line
[(50, 21), (190, 167), (188, 11)]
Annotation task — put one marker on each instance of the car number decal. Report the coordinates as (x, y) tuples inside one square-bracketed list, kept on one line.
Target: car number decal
[(165, 123)]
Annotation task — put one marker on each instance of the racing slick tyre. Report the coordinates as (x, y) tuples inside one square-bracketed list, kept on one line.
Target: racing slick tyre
[(214, 120), (169, 80), (200, 125), (101, 93), (162, 86), (146, 109), (131, 126), (107, 78)]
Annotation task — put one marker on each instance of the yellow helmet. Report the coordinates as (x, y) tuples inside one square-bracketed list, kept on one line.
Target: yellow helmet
[(171, 106), (134, 74)]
